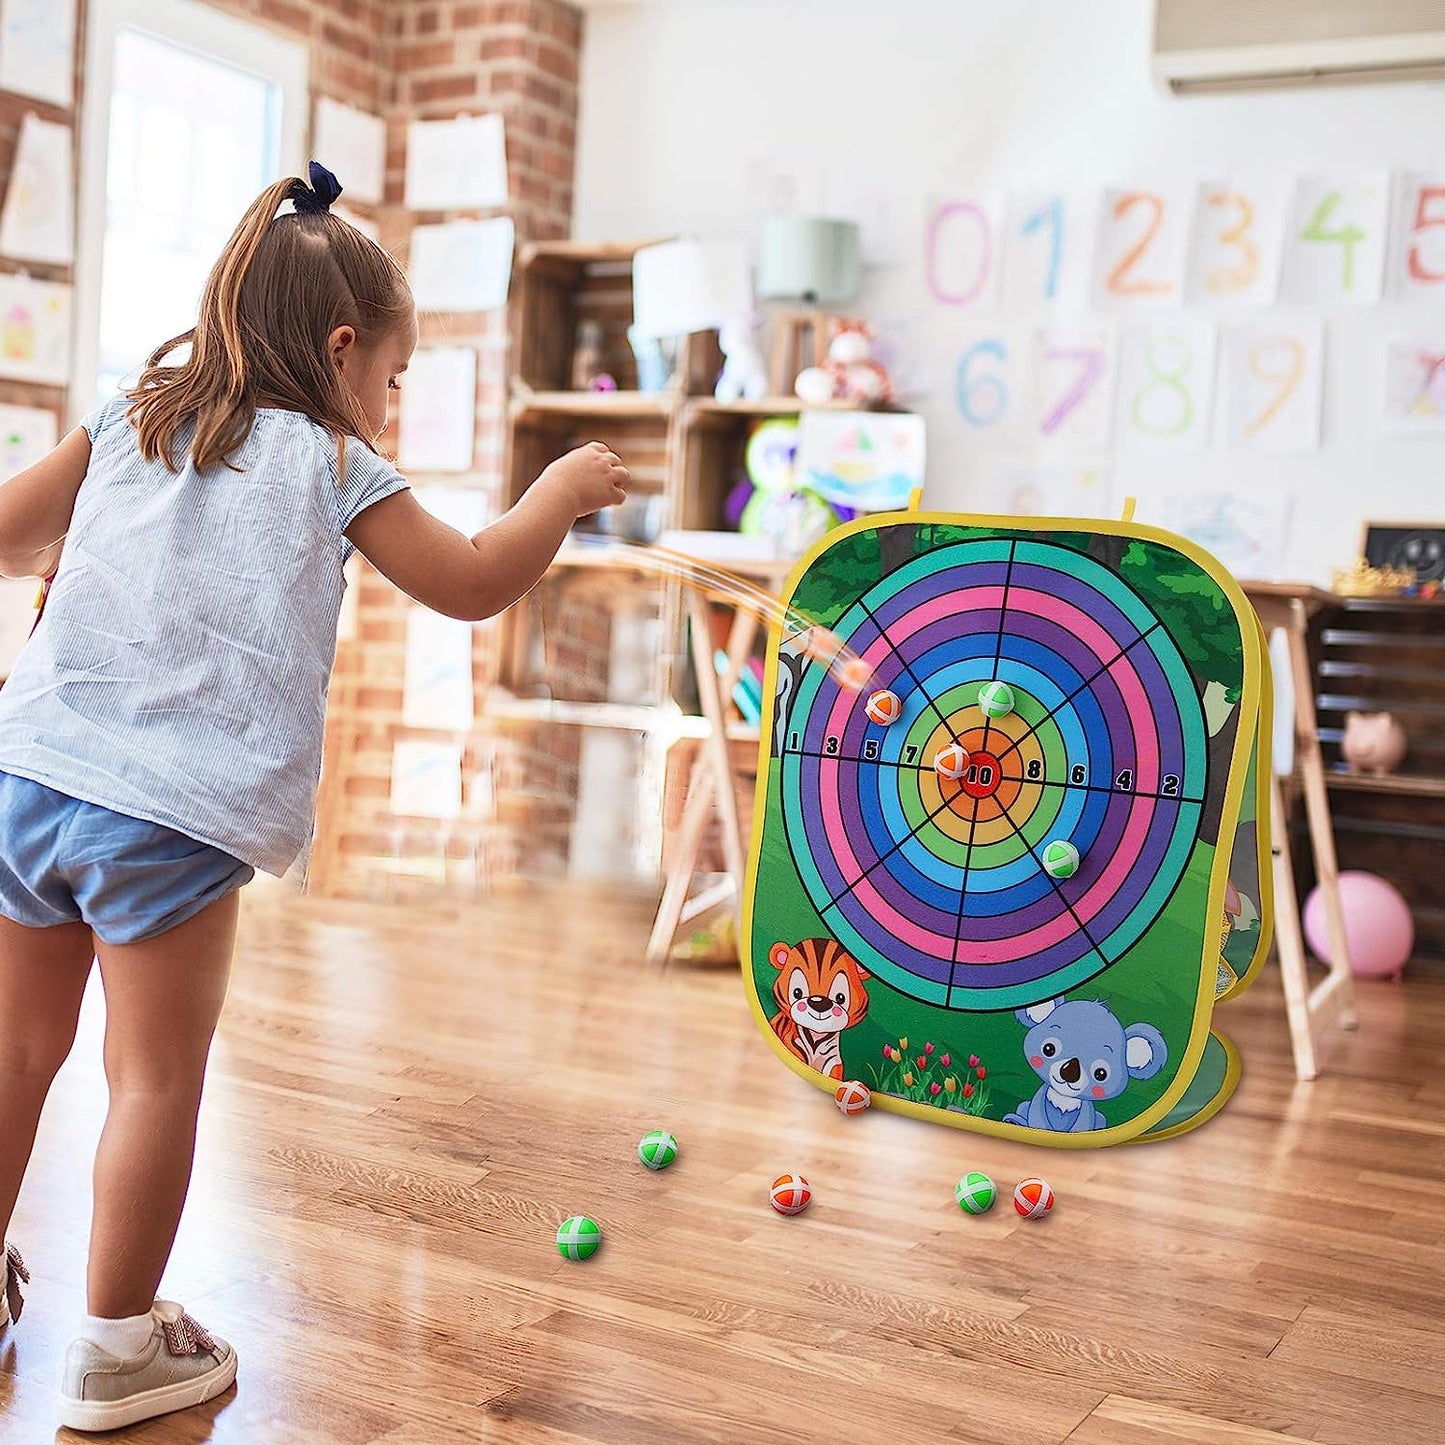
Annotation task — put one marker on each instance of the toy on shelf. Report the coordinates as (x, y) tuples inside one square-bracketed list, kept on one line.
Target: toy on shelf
[(744, 374), (1362, 580), (769, 503), (850, 374), (1374, 743), (1379, 929)]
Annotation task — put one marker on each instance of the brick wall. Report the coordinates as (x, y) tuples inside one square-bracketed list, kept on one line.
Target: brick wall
[(407, 60)]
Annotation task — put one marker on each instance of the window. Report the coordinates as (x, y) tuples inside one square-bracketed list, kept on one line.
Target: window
[(189, 115)]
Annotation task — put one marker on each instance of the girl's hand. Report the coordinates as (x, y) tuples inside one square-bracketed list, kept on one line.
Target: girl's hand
[(592, 477)]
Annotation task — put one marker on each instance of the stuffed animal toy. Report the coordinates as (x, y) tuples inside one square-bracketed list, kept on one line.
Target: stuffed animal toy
[(850, 373), (744, 376)]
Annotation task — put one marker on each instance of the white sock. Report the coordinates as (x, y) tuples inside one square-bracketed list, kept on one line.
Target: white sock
[(121, 1338)]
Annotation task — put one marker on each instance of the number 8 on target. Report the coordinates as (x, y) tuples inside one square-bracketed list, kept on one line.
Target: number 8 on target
[(1007, 900)]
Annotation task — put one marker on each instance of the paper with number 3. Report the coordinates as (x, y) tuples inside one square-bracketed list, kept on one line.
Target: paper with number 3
[(1238, 238), (1337, 233), (1272, 386)]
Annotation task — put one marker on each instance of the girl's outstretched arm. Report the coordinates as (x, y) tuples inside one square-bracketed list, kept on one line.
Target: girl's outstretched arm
[(477, 577), (36, 505)]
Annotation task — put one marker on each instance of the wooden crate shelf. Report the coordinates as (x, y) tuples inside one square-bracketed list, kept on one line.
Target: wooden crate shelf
[(1387, 654)]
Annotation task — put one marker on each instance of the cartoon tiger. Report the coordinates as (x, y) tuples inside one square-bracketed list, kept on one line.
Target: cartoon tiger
[(819, 992)]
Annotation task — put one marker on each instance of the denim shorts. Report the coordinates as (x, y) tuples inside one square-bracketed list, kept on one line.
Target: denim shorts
[(64, 861)]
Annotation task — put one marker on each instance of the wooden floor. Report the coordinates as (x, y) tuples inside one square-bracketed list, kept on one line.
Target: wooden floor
[(404, 1105)]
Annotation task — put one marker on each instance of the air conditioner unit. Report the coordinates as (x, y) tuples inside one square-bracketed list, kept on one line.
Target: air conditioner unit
[(1206, 47)]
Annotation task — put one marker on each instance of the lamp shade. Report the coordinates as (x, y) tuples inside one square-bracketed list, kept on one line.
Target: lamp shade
[(806, 259)]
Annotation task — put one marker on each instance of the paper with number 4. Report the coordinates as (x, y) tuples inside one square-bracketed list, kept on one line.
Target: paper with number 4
[(1272, 386), (1337, 232), (1166, 385)]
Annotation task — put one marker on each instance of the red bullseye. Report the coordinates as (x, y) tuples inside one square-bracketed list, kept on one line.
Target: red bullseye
[(982, 775)]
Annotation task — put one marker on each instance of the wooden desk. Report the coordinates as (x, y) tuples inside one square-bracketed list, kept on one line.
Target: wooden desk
[(1289, 607)]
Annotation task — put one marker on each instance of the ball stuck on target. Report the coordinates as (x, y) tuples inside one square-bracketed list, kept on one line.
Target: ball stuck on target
[(1060, 859), (884, 707), (951, 762), (996, 699)]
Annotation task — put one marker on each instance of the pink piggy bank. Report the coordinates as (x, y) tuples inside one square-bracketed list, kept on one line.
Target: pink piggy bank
[(1373, 743)]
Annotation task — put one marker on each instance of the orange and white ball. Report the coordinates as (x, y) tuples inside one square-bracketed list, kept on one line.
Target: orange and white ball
[(790, 1194), (951, 762), (852, 1096), (884, 707), (853, 672), (1033, 1198)]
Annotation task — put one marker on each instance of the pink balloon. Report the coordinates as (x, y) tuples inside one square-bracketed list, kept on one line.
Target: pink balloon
[(1378, 926)]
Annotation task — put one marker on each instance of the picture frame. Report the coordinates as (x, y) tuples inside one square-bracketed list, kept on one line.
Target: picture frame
[(1417, 547)]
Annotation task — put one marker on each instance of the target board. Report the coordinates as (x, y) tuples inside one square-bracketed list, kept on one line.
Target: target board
[(996, 881)]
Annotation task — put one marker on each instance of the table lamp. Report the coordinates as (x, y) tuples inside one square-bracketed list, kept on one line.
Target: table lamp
[(817, 262)]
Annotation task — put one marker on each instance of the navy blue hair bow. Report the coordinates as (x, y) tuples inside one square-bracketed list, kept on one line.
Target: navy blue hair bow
[(319, 195)]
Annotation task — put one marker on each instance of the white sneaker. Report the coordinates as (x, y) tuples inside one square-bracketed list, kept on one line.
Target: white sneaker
[(14, 1276), (182, 1365)]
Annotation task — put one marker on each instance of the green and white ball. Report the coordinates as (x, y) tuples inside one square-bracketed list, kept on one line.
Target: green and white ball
[(975, 1193), (657, 1148), (579, 1237), (1061, 859), (996, 699)]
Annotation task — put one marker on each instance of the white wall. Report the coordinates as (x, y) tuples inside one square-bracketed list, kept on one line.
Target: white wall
[(700, 115)]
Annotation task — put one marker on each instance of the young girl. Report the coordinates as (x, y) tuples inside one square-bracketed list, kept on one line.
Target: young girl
[(160, 736)]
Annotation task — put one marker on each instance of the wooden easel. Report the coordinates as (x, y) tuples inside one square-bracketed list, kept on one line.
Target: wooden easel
[(712, 777), (1311, 1010)]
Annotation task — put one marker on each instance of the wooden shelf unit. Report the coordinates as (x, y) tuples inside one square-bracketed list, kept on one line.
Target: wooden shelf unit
[(1387, 654)]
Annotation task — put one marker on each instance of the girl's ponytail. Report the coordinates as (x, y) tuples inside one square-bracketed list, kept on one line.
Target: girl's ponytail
[(278, 290)]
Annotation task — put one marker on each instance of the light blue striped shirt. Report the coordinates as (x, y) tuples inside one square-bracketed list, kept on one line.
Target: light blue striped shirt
[(179, 672)]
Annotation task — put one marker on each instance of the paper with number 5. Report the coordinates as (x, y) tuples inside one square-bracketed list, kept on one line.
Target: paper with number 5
[(1073, 384), (1238, 240), (1417, 250), (1272, 386), (1337, 235), (1166, 386), (1140, 248)]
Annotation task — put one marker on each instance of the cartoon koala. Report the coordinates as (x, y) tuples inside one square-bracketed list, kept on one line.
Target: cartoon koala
[(1082, 1053)]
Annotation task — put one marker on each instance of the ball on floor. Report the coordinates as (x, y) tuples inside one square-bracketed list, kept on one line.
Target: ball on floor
[(790, 1194), (1379, 928), (1033, 1198), (657, 1148), (579, 1237), (852, 1096), (975, 1193)]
